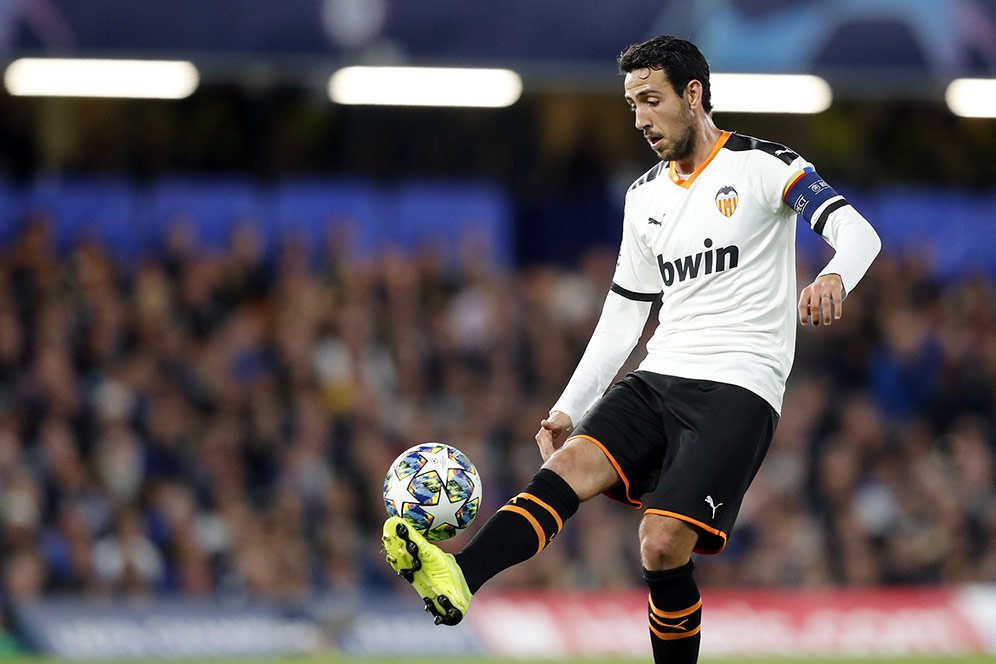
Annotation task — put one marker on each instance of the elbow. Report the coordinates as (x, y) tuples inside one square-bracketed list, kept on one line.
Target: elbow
[(874, 244)]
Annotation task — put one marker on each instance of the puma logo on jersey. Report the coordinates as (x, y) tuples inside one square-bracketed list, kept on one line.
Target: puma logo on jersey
[(653, 221), (714, 506), (719, 259)]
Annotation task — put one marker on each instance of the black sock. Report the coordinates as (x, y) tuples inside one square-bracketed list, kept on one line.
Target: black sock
[(520, 529), (675, 612)]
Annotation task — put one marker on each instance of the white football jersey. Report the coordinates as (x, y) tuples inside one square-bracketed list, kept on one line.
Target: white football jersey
[(719, 248)]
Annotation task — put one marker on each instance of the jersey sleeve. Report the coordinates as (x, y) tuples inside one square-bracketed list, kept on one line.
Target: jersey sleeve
[(615, 336), (636, 276), (775, 176), (636, 283), (833, 218)]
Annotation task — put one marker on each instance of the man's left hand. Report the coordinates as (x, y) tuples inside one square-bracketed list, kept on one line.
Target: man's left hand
[(822, 300)]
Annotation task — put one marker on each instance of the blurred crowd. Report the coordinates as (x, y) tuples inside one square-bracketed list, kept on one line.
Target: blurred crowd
[(220, 424)]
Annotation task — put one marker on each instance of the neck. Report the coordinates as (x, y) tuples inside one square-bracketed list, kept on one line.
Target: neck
[(706, 135)]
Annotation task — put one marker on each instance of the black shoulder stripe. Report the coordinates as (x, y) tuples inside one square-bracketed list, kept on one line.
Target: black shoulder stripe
[(649, 175), (630, 295), (821, 220), (741, 143)]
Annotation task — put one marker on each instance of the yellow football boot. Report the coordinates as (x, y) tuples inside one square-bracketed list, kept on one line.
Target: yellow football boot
[(434, 573)]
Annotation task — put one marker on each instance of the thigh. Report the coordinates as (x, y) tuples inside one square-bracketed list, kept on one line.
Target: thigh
[(627, 425), (584, 467), (718, 435)]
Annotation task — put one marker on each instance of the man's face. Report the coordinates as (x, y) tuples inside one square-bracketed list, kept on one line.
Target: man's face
[(664, 118)]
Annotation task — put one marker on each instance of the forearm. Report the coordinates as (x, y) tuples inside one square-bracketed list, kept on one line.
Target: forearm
[(855, 245), (616, 334)]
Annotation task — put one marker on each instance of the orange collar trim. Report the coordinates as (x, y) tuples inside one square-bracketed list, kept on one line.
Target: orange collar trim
[(687, 182)]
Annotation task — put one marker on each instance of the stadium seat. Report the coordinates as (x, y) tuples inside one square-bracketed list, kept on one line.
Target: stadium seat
[(926, 222), (312, 209), (214, 206), (11, 210), (452, 213), (102, 209), (980, 231)]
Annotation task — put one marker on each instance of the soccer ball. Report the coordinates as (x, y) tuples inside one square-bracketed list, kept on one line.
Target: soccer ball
[(435, 488)]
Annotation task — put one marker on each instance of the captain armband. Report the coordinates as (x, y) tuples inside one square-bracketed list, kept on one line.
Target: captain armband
[(812, 198)]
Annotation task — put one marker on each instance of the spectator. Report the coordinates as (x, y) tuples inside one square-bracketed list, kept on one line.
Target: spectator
[(220, 424)]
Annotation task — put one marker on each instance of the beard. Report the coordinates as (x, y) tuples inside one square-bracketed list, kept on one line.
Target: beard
[(682, 146)]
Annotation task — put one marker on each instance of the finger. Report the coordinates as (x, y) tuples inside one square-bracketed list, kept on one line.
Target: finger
[(814, 308), (838, 303), (825, 306), (804, 307), (544, 440)]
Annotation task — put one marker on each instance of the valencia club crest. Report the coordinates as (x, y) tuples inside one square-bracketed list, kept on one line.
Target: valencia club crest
[(726, 201)]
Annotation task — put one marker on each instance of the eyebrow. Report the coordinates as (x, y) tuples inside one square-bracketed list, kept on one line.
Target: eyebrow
[(640, 94)]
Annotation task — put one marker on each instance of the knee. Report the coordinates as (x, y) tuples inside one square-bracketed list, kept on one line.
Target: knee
[(584, 467), (568, 462), (665, 543)]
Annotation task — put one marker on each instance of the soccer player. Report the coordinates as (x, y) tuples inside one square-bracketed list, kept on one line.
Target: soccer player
[(710, 229)]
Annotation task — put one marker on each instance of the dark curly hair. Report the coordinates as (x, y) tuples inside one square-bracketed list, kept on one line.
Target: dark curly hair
[(681, 61)]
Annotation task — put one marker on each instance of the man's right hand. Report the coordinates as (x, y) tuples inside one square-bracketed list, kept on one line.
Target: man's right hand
[(553, 432)]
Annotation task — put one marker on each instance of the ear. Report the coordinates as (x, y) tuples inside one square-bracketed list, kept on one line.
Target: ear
[(693, 93)]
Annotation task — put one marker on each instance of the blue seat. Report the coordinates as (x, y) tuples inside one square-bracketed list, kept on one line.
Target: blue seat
[(987, 227), (213, 206), (979, 232), (314, 210), (808, 243), (11, 210), (931, 223), (450, 213), (85, 208)]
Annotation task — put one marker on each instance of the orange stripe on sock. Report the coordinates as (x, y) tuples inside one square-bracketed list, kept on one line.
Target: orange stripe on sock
[(540, 535), (681, 625), (669, 636), (671, 615), (553, 512)]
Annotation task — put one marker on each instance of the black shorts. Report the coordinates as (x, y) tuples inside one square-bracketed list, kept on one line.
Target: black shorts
[(688, 448)]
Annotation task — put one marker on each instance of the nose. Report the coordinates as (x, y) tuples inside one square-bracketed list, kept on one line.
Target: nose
[(641, 120)]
